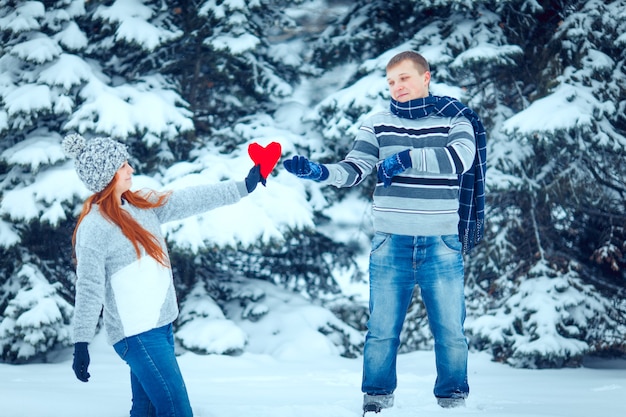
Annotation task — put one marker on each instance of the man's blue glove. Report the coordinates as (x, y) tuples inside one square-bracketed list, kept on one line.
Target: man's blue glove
[(254, 177), (394, 165), (81, 361), (303, 168)]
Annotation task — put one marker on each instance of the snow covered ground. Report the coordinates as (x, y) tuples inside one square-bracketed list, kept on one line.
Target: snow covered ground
[(254, 385)]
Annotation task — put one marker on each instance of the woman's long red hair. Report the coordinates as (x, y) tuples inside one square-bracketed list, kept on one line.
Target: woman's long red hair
[(110, 208)]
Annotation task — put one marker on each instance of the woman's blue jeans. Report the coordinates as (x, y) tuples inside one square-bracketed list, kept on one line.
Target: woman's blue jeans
[(397, 264), (156, 382)]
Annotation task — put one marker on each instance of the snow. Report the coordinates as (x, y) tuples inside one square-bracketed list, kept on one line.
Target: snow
[(19, 204), (235, 44), (24, 18), (124, 9), (68, 71), (599, 60), (287, 52), (310, 384), (142, 33), (291, 362), (486, 53), (211, 335), (8, 237), (125, 110), (38, 149), (29, 317), (24, 202), (134, 26), (205, 329), (281, 324), (72, 37), (29, 98), (567, 107), (37, 50)]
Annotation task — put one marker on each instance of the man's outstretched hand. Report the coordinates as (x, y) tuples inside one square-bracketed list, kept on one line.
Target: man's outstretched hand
[(301, 167)]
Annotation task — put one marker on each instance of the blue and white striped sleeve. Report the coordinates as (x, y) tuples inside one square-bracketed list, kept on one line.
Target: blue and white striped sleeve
[(359, 162), (456, 157)]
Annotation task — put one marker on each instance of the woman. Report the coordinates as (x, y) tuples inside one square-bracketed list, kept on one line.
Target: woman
[(123, 269)]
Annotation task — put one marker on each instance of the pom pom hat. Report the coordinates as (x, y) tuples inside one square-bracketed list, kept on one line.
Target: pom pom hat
[(96, 160)]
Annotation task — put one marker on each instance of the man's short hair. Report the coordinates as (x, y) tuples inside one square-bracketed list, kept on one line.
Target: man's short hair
[(418, 60)]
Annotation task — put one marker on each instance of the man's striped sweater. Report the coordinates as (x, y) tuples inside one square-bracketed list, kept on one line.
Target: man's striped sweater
[(423, 200)]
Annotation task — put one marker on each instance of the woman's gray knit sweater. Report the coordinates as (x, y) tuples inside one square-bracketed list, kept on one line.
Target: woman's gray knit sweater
[(137, 295)]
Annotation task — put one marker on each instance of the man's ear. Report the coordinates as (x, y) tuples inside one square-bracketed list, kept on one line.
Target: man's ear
[(427, 77)]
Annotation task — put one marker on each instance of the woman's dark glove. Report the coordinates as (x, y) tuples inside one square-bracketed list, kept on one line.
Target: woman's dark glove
[(254, 177), (81, 361)]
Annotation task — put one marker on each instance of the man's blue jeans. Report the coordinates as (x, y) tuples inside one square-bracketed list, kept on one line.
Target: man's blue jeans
[(156, 382), (397, 264)]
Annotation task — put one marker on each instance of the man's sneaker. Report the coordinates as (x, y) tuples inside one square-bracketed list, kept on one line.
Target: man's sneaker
[(451, 402), (375, 403)]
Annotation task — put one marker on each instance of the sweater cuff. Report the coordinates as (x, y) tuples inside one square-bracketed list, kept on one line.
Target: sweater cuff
[(335, 177), (241, 187)]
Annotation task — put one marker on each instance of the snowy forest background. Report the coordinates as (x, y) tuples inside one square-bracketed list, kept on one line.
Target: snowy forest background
[(189, 84)]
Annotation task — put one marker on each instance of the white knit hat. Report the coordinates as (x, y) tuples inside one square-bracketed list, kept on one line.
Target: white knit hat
[(96, 160)]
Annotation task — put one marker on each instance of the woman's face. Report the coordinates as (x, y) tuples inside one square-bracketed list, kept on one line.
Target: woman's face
[(406, 83), (123, 179)]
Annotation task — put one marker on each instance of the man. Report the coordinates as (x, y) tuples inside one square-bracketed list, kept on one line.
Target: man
[(428, 209)]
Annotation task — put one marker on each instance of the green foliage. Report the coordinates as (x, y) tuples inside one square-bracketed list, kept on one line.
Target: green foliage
[(222, 62), (303, 263), (35, 321)]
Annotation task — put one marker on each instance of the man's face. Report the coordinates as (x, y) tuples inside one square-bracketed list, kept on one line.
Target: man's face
[(406, 83)]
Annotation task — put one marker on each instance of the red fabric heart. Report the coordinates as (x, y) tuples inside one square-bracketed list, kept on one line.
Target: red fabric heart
[(267, 156)]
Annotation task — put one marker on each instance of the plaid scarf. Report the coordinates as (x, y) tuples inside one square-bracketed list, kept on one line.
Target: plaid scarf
[(472, 183)]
